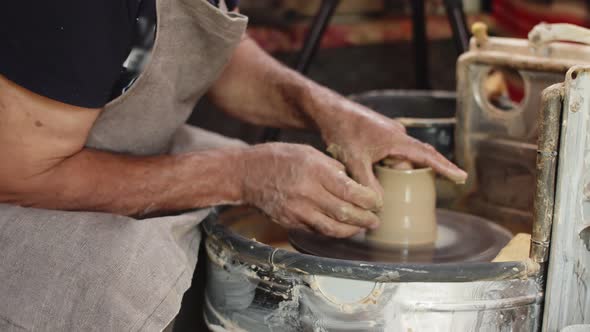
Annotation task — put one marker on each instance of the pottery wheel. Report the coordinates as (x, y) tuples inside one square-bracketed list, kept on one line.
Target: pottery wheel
[(460, 238)]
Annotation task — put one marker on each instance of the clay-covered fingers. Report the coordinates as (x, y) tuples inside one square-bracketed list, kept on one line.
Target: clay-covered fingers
[(399, 164), (425, 155), (292, 222), (308, 215), (361, 169), (335, 164), (300, 226), (399, 126), (328, 226), (342, 186), (345, 212)]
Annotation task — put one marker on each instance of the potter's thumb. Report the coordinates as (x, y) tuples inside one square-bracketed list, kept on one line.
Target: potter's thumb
[(362, 172)]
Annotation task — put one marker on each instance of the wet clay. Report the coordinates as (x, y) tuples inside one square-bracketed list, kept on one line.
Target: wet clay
[(408, 216), (517, 249)]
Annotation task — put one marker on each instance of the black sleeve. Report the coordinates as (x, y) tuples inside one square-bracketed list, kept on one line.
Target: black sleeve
[(68, 50)]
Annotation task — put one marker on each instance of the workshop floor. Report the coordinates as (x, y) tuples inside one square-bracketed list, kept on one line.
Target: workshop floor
[(351, 70)]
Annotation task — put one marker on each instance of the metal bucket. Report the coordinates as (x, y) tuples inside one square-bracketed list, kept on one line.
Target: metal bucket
[(256, 283), (427, 115)]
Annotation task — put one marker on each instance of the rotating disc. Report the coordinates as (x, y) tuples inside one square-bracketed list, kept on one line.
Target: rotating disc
[(460, 238)]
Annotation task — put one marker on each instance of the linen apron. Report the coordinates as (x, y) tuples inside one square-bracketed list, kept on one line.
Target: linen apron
[(83, 271)]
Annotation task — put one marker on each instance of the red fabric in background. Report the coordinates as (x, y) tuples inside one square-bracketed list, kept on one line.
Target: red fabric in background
[(518, 19), (364, 32)]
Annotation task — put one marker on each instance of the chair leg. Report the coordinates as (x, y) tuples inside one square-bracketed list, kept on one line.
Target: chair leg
[(458, 22), (420, 41)]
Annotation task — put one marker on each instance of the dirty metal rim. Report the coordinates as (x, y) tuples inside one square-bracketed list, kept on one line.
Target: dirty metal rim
[(223, 241)]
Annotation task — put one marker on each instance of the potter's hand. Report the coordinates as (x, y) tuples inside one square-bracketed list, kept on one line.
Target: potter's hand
[(361, 137), (299, 187)]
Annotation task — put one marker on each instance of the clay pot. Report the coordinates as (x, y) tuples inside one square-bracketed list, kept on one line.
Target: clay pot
[(408, 217)]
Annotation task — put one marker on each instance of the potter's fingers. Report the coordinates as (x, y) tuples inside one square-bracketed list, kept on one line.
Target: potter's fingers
[(362, 171), (396, 163), (425, 155), (330, 227), (301, 227), (345, 188), (292, 222), (330, 163), (345, 212), (336, 164), (399, 126)]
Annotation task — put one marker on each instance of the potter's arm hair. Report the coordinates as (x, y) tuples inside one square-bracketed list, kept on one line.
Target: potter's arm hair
[(257, 89), (44, 164)]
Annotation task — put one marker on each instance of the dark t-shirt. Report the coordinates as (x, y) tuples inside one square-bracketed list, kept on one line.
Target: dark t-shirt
[(68, 50), (73, 51)]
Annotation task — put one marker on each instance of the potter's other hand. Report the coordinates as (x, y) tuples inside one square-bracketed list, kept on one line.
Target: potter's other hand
[(362, 137), (299, 187)]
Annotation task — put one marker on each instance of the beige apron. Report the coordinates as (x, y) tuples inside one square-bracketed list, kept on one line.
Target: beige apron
[(82, 271)]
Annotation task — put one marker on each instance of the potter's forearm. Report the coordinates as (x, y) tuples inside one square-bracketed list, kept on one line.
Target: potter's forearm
[(99, 181), (257, 89)]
